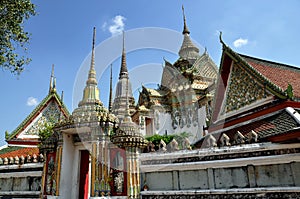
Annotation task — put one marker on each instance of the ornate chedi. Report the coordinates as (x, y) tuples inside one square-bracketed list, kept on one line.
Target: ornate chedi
[(82, 138), (119, 104), (129, 138), (183, 98), (92, 154)]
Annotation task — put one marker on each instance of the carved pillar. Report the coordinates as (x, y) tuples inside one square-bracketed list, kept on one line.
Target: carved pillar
[(129, 174), (44, 175), (58, 160), (133, 175)]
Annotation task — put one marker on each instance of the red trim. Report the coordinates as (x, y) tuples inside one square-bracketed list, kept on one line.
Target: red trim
[(222, 84), (84, 174), (23, 142), (274, 108), (293, 135)]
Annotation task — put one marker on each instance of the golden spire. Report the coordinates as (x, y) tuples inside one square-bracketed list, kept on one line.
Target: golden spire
[(185, 28), (91, 91), (92, 72)]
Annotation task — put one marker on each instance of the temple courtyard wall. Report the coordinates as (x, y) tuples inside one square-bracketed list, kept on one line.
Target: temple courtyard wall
[(20, 181), (261, 170)]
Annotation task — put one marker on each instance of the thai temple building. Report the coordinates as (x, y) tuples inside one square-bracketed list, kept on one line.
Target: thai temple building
[(252, 146), (21, 161), (242, 125), (182, 103)]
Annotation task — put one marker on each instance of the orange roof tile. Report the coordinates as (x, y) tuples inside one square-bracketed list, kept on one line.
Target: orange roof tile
[(20, 151), (280, 74)]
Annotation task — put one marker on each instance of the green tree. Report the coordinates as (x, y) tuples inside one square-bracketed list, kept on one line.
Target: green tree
[(45, 131), (13, 38)]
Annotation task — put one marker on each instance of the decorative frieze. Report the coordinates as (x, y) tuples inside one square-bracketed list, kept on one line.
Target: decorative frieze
[(221, 156)]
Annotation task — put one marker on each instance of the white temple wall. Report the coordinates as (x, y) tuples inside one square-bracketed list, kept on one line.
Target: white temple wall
[(164, 125), (142, 125), (67, 166)]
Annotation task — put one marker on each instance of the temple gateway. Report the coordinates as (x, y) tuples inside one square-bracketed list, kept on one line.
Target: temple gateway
[(204, 132)]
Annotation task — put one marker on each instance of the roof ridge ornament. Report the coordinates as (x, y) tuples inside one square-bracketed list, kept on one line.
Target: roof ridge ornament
[(220, 38), (52, 81)]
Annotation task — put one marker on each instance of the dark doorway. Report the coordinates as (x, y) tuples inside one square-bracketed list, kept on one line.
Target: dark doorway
[(84, 175)]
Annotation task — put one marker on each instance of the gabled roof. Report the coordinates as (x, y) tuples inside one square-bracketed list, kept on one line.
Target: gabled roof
[(51, 97), (204, 67), (268, 81), (278, 73)]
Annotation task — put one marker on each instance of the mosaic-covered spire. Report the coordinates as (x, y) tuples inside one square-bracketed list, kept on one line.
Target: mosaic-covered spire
[(127, 117), (188, 50), (91, 91), (123, 84), (123, 70)]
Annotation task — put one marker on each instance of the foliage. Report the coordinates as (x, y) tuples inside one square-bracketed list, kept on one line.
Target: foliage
[(155, 139), (289, 91), (46, 131), (13, 38)]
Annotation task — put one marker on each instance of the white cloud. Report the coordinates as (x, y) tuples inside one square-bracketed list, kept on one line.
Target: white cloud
[(117, 25), (31, 101), (240, 42), (104, 25)]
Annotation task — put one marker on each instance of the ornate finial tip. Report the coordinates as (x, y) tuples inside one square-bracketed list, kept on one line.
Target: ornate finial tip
[(94, 35), (185, 29), (220, 36)]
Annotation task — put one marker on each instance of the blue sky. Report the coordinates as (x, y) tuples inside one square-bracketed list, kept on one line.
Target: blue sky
[(62, 34)]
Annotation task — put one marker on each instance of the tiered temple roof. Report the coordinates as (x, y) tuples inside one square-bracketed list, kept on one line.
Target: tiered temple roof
[(255, 97)]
